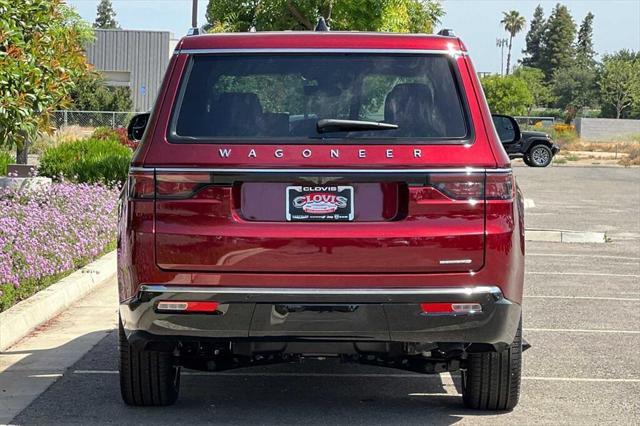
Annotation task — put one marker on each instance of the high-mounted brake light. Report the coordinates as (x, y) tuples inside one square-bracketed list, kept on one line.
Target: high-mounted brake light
[(187, 306), (438, 308)]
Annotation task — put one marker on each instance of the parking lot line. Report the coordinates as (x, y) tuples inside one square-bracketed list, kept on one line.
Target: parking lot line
[(590, 256), (624, 299), (589, 274), (580, 330), (446, 378)]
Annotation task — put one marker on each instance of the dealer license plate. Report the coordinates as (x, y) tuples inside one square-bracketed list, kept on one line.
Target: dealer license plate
[(319, 203)]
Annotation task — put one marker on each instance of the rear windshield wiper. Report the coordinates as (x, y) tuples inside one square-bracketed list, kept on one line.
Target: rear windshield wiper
[(327, 125)]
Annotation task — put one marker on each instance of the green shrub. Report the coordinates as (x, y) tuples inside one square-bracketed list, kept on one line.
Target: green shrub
[(5, 159), (87, 161), (104, 134)]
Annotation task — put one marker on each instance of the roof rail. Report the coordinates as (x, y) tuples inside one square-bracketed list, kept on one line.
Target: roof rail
[(446, 32), (321, 25)]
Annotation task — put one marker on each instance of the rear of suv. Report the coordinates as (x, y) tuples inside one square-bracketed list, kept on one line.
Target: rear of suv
[(320, 195)]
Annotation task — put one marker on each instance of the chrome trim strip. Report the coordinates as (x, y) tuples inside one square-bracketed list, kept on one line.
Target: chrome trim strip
[(303, 170), (455, 261), (452, 52), (324, 291)]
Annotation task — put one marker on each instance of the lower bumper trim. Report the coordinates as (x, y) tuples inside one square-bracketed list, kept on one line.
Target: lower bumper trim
[(389, 315)]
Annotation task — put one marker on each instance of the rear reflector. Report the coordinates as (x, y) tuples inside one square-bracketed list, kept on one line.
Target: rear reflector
[(451, 308), (187, 307)]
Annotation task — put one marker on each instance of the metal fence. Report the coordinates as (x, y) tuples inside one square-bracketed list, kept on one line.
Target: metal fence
[(91, 119)]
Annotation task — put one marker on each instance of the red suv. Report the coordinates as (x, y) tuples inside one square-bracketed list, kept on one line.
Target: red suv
[(320, 195)]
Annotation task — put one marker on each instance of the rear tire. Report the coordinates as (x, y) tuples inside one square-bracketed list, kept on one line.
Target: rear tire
[(492, 379), (147, 378)]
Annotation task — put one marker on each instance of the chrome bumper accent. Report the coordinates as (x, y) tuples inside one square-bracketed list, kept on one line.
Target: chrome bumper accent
[(475, 290)]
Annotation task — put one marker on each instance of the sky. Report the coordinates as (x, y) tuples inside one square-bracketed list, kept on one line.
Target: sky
[(477, 22)]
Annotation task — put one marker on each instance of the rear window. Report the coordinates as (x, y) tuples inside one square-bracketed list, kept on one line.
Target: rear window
[(283, 96)]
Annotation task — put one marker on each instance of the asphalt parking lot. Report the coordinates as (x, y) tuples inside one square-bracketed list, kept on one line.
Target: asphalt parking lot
[(580, 315)]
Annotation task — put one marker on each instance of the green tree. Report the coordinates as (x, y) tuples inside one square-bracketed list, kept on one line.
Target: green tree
[(41, 56), (620, 82), (558, 50), (513, 23), (507, 94), (535, 40), (540, 90), (91, 94), (105, 16), (575, 89), (373, 15), (585, 54)]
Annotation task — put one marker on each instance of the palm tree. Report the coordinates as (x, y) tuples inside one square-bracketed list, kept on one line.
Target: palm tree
[(513, 23)]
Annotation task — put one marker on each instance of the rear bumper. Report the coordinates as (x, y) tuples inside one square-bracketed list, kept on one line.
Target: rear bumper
[(281, 314)]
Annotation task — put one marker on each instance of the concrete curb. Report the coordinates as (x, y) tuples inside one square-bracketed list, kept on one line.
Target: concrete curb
[(19, 320), (563, 236)]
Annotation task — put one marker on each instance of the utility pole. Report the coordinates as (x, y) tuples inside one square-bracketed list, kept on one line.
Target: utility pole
[(194, 14), (501, 43)]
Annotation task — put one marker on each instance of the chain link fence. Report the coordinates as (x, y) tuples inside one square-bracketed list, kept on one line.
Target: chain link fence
[(529, 122), (91, 119)]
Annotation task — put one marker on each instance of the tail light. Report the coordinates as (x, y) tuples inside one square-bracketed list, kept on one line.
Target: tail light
[(499, 186), (145, 185), (459, 186), (474, 186), (141, 185), (180, 185)]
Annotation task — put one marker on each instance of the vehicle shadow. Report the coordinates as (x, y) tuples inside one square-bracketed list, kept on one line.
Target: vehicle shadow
[(313, 392)]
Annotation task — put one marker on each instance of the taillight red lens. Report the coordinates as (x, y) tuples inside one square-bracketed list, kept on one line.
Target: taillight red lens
[(459, 186), (180, 185), (499, 186), (474, 186), (141, 185)]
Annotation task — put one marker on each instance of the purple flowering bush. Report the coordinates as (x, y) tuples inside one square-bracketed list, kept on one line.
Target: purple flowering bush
[(49, 232)]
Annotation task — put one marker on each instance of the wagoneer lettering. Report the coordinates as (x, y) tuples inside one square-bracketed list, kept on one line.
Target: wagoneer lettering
[(311, 195)]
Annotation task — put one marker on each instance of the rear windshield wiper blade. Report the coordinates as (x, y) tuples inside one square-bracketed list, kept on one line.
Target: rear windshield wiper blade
[(327, 125)]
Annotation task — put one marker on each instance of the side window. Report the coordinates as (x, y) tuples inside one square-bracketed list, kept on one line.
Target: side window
[(505, 129)]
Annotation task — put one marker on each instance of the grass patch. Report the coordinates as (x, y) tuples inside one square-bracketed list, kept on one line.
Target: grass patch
[(571, 157), (632, 158), (5, 160)]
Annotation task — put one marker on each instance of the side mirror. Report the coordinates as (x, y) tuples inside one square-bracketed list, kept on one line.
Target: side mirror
[(137, 126), (507, 128)]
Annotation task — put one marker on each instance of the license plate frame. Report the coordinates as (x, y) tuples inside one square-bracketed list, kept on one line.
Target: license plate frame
[(319, 203)]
